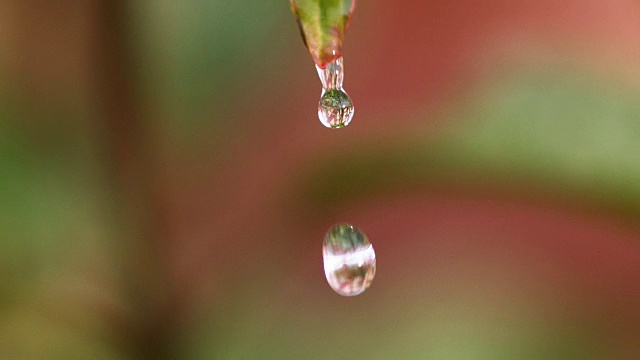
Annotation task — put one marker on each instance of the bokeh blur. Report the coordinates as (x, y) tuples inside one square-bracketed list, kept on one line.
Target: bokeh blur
[(165, 184)]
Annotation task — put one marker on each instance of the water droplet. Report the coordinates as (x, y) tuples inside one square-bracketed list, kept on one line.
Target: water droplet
[(335, 108), (349, 260)]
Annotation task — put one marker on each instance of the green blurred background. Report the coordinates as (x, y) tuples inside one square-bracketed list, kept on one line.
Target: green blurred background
[(165, 184)]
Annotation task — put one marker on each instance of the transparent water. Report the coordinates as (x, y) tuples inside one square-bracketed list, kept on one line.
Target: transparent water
[(335, 108), (349, 260)]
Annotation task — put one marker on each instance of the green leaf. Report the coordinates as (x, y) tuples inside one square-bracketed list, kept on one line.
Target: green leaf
[(323, 24)]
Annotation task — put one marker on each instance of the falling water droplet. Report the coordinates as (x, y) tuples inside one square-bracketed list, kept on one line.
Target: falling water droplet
[(349, 260), (335, 108)]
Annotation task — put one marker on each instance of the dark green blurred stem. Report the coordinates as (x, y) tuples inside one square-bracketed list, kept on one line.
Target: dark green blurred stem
[(447, 167), (138, 211)]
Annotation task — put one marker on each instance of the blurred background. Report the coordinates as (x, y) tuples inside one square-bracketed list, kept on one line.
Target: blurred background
[(165, 184)]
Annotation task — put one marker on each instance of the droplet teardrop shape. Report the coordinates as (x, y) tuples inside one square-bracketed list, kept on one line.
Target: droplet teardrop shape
[(335, 109), (349, 260)]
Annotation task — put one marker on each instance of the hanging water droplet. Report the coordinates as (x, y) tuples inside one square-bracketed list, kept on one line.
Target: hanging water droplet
[(335, 108), (349, 260)]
